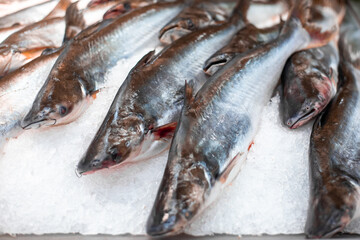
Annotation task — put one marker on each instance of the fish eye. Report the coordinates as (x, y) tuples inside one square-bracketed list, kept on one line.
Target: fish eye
[(63, 110)]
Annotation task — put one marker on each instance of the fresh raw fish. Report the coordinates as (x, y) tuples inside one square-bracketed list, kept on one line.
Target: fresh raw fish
[(28, 43), (218, 124), (199, 14), (29, 15), (309, 82), (75, 78), (125, 6), (335, 151), (143, 116), (18, 90), (11, 6)]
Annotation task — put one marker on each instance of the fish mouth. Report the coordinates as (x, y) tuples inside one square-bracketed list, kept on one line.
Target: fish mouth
[(215, 63), (88, 167), (171, 226), (38, 124), (300, 120), (328, 234)]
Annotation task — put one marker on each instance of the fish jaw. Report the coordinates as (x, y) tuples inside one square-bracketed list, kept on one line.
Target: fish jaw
[(331, 211), (114, 146), (37, 119), (180, 198)]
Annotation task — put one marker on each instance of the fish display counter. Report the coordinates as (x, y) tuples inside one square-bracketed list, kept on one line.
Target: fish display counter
[(150, 118)]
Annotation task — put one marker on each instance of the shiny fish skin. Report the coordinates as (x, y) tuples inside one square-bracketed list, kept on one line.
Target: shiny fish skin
[(151, 97), (335, 152), (246, 39), (11, 6), (309, 82), (28, 15), (17, 92), (196, 16), (125, 6), (217, 127), (74, 79), (28, 43)]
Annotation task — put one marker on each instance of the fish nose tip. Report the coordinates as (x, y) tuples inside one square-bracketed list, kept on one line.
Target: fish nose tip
[(162, 228)]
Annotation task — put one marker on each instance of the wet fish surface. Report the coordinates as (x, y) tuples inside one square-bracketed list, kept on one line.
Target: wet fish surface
[(28, 43), (28, 15), (199, 14), (78, 72), (17, 92), (335, 151), (143, 116), (309, 82), (11, 6), (218, 124), (246, 39)]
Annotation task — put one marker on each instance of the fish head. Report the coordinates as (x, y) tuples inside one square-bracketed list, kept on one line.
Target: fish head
[(330, 211), (117, 141), (185, 186), (58, 102), (305, 96)]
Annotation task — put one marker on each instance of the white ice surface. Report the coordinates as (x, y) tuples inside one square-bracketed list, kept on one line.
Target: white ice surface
[(40, 192)]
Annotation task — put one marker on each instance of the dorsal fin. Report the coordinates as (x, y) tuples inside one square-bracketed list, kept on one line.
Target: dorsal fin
[(74, 19), (189, 93)]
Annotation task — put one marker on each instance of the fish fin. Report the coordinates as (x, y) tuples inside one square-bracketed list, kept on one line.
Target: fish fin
[(239, 14), (59, 10), (93, 94), (223, 176), (189, 92), (145, 59), (74, 19), (165, 131), (32, 53)]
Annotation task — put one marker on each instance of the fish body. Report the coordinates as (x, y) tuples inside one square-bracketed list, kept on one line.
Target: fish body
[(124, 6), (218, 124), (17, 92), (28, 15), (335, 151), (80, 69), (309, 82), (143, 116), (28, 43), (247, 38), (6, 32), (11, 6), (198, 15)]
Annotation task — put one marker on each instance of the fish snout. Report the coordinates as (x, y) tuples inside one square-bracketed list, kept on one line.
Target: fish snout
[(166, 225), (34, 121), (90, 164)]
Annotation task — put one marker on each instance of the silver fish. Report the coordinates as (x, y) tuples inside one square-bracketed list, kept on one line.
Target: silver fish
[(28, 15), (143, 116), (29, 42), (11, 6), (79, 70), (17, 92), (335, 151), (218, 124)]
